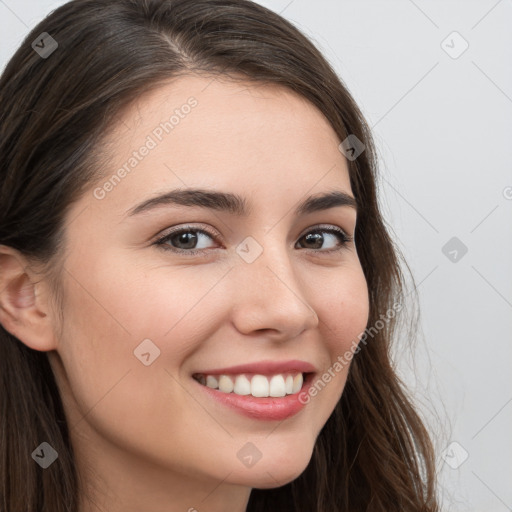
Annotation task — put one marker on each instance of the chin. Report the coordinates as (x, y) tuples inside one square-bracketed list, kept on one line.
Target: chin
[(276, 479), (274, 472)]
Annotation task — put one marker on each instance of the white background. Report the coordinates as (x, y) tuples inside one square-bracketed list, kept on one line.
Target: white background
[(443, 128)]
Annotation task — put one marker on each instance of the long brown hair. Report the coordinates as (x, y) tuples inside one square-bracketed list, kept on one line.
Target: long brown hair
[(374, 453)]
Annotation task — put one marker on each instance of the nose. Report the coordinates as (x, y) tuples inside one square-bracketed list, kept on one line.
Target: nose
[(270, 297)]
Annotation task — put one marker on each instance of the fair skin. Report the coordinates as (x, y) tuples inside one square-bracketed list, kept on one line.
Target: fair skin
[(150, 434)]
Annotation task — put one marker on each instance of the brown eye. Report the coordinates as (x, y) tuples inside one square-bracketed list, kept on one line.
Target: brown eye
[(315, 239), (185, 240)]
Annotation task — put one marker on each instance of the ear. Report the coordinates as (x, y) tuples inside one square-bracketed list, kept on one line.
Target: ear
[(24, 304)]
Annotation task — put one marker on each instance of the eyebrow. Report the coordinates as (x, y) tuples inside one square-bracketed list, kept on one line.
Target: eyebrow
[(235, 204)]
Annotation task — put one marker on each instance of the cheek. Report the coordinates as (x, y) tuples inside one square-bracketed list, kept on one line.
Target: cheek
[(125, 300), (343, 305), (108, 387), (107, 319)]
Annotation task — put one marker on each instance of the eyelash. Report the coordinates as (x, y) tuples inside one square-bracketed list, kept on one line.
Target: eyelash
[(161, 242)]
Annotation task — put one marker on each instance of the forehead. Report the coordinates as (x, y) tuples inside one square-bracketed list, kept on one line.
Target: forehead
[(215, 132), (217, 94), (206, 111)]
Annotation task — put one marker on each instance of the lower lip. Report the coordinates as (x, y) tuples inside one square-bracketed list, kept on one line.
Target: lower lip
[(264, 408)]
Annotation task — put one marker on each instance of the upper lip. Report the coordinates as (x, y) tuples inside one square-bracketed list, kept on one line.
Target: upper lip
[(264, 367)]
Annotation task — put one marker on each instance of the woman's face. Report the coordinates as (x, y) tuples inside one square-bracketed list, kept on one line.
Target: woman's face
[(267, 286)]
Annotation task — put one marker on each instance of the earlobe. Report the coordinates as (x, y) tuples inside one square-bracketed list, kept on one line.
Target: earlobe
[(23, 309)]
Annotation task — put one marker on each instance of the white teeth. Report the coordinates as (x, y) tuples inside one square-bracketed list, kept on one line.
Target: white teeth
[(277, 386), (212, 382), (297, 383), (289, 385), (242, 385), (258, 386), (225, 384)]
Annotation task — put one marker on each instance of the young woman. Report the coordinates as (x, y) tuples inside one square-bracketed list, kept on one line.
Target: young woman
[(197, 289)]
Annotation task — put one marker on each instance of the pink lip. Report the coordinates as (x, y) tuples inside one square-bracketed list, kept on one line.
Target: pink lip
[(264, 408), (264, 368)]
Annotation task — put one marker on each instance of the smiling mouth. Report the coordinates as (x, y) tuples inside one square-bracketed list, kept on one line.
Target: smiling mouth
[(257, 385)]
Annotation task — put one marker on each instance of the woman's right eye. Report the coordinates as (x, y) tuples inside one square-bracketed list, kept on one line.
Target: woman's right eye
[(186, 236)]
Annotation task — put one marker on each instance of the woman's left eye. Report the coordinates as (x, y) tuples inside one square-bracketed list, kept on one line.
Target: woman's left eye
[(189, 237)]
